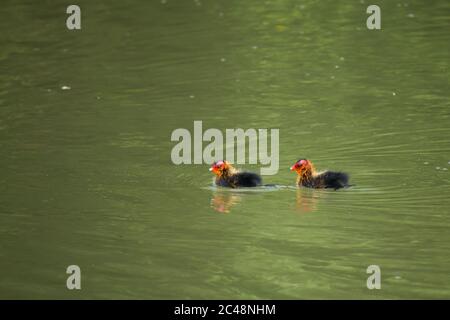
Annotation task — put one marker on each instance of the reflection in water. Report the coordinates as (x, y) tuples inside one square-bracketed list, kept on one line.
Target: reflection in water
[(223, 201), (306, 201)]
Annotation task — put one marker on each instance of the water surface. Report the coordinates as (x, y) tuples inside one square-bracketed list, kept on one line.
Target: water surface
[(87, 178)]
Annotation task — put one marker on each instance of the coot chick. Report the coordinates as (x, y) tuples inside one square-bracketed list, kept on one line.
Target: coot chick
[(308, 177), (228, 176)]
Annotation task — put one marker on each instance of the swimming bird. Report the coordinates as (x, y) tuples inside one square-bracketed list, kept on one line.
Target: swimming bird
[(228, 176), (309, 177)]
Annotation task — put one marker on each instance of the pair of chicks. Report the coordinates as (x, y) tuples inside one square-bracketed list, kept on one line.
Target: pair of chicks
[(307, 176)]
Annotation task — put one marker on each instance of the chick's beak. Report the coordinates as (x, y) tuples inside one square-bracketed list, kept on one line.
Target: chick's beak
[(292, 168), (211, 169)]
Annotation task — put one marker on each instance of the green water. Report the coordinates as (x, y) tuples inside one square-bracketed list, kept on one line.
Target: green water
[(87, 178)]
